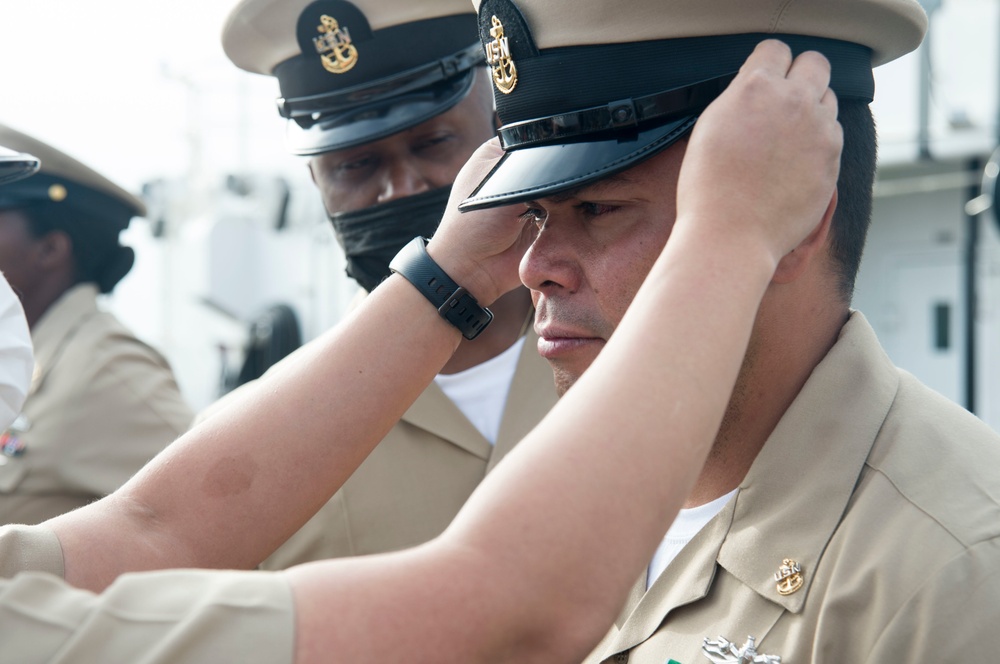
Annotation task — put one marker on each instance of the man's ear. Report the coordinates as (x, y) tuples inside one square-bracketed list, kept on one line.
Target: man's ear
[(795, 262)]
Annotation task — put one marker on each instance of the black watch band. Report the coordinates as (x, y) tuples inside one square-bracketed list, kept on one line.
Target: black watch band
[(455, 304)]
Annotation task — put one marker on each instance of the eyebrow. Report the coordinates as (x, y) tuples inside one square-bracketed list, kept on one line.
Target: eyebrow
[(581, 191)]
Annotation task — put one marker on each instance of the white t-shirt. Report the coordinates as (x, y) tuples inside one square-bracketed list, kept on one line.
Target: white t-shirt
[(481, 391), (16, 358), (687, 524)]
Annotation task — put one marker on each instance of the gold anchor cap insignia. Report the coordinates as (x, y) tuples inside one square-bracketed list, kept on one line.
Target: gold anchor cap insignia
[(789, 577), (334, 45), (499, 59)]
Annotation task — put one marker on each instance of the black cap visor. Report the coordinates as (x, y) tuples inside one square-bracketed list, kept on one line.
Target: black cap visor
[(16, 165), (377, 120), (536, 172)]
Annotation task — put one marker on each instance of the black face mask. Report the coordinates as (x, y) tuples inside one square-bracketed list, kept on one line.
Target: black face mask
[(371, 237)]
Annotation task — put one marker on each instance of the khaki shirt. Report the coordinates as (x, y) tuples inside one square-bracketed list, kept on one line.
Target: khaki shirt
[(101, 404), (417, 479), (189, 616), (886, 494)]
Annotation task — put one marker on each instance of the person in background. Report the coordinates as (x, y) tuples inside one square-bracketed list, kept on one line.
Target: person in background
[(16, 356), (388, 99), (101, 403), (525, 573), (814, 532)]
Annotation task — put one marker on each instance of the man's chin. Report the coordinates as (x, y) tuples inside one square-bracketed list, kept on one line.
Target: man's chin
[(563, 380)]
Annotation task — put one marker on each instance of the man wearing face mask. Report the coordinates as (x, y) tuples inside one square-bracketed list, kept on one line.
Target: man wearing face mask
[(388, 99)]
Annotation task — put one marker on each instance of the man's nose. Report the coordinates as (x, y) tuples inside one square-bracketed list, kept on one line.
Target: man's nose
[(402, 178), (549, 263)]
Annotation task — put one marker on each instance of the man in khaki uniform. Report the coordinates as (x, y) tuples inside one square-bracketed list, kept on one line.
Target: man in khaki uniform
[(101, 403), (388, 99), (846, 513), (503, 583)]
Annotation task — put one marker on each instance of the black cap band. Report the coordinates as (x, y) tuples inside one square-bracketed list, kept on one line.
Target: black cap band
[(615, 116), (566, 80), (382, 54), (305, 110)]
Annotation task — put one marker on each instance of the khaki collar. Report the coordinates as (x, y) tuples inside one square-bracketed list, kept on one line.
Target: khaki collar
[(58, 325), (800, 484), (531, 395), (794, 495)]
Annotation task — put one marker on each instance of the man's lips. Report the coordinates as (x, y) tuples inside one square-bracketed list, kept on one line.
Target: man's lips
[(553, 343)]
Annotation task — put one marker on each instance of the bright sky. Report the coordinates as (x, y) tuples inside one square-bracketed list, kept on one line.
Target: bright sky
[(136, 89)]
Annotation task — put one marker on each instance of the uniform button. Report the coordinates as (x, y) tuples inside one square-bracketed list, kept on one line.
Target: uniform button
[(620, 658)]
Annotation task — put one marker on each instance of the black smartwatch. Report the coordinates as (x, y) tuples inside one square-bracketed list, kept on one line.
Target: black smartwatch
[(455, 304)]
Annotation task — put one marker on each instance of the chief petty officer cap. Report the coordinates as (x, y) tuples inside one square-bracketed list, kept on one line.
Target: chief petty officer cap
[(63, 180), (588, 88), (16, 165), (356, 72)]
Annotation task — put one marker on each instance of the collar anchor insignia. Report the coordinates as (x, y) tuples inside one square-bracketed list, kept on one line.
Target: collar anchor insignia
[(723, 651), (499, 59), (788, 577), (334, 45)]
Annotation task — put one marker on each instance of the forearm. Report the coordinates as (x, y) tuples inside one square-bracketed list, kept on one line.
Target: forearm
[(528, 563), (232, 489), (597, 484), (539, 560)]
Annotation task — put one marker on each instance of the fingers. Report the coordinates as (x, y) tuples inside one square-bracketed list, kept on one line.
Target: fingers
[(810, 69), (770, 55)]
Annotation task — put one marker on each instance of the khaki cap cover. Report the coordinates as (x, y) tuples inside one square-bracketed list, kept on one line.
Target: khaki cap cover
[(890, 28), (643, 70), (260, 34), (60, 165)]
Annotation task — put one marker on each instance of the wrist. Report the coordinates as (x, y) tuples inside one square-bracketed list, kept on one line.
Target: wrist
[(735, 246), (464, 271), (455, 303)]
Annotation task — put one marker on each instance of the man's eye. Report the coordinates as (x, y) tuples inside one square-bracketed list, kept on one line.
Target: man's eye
[(595, 209), (533, 216), (432, 143), (356, 164)]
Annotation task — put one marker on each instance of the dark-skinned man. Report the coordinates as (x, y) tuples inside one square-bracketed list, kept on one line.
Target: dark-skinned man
[(388, 99)]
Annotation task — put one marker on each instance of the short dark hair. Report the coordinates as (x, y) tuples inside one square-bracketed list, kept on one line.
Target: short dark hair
[(854, 193), (97, 254)]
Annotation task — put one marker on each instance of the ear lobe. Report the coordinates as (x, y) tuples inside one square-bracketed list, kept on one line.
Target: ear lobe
[(794, 263)]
